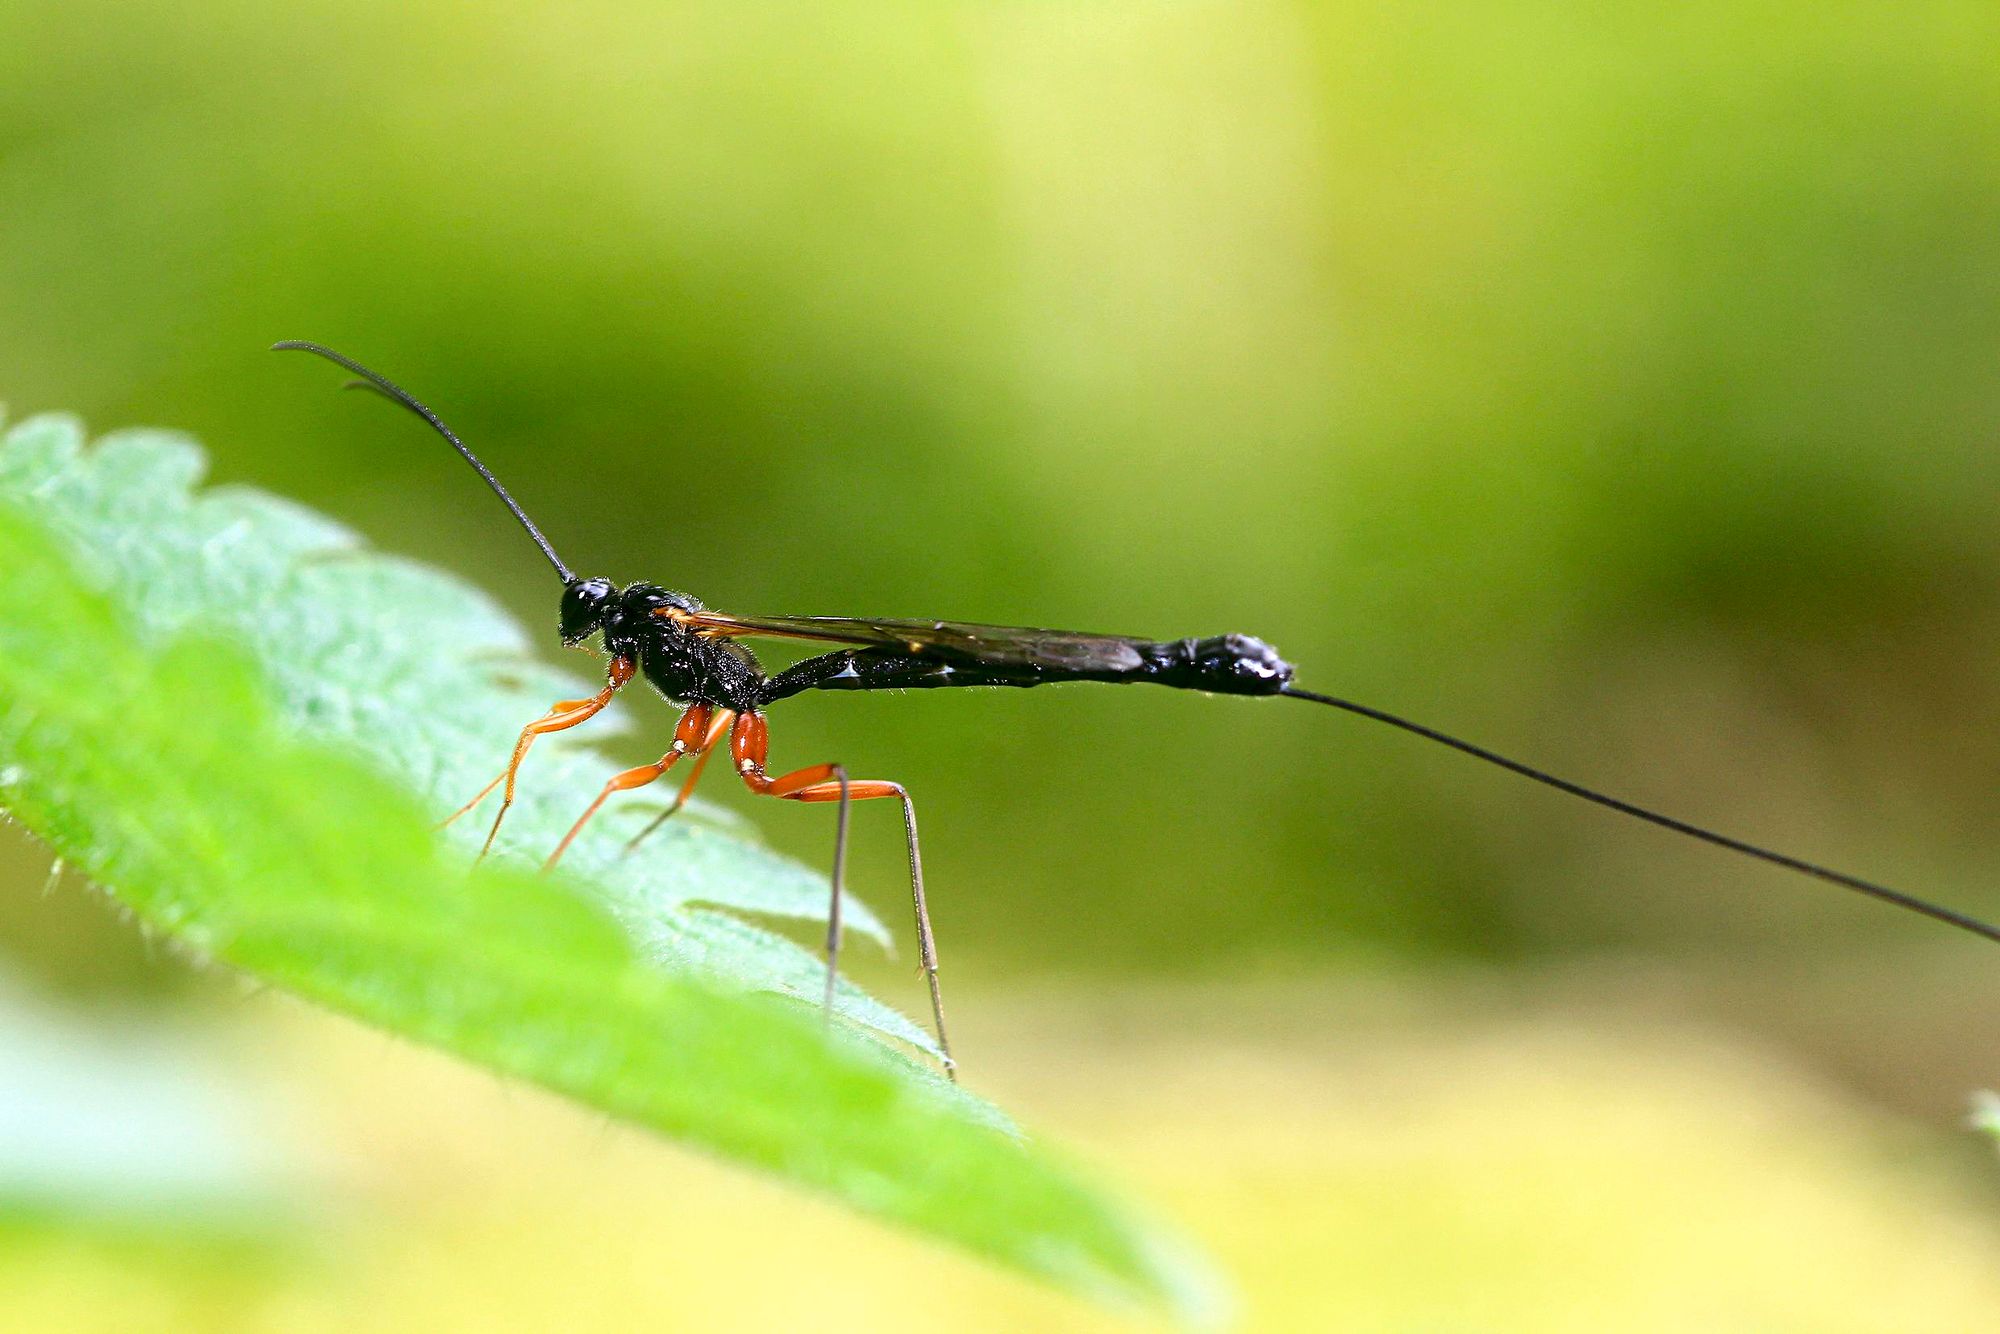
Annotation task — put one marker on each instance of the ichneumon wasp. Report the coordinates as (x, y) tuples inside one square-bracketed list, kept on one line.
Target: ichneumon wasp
[(691, 656)]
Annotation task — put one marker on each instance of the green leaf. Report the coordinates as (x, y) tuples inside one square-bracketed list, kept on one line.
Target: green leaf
[(224, 710), (422, 672)]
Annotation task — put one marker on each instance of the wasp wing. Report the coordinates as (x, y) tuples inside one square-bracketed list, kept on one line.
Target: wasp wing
[(1064, 650)]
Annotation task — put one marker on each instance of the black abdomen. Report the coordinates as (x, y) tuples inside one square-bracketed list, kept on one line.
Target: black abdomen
[(1226, 665)]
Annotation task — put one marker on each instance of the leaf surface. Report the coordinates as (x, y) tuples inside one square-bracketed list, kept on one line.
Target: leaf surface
[(222, 708)]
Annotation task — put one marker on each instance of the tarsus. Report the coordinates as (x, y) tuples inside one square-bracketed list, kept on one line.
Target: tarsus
[(1841, 878)]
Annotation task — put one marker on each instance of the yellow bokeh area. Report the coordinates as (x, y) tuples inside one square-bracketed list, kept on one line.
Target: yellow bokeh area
[(1617, 386), (1450, 1162)]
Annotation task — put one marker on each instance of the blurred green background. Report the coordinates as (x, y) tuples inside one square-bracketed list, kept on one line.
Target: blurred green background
[(1619, 387)]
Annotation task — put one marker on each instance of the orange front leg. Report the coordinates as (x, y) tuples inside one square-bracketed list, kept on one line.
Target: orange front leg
[(749, 745), (564, 714)]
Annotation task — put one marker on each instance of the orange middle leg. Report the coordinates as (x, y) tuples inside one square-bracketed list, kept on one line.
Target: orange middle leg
[(690, 735), (749, 745), (564, 714), (716, 727)]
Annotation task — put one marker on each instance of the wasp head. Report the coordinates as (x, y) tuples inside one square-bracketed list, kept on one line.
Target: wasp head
[(583, 606)]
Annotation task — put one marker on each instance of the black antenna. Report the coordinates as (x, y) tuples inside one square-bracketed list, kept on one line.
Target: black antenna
[(391, 390), (1845, 881)]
